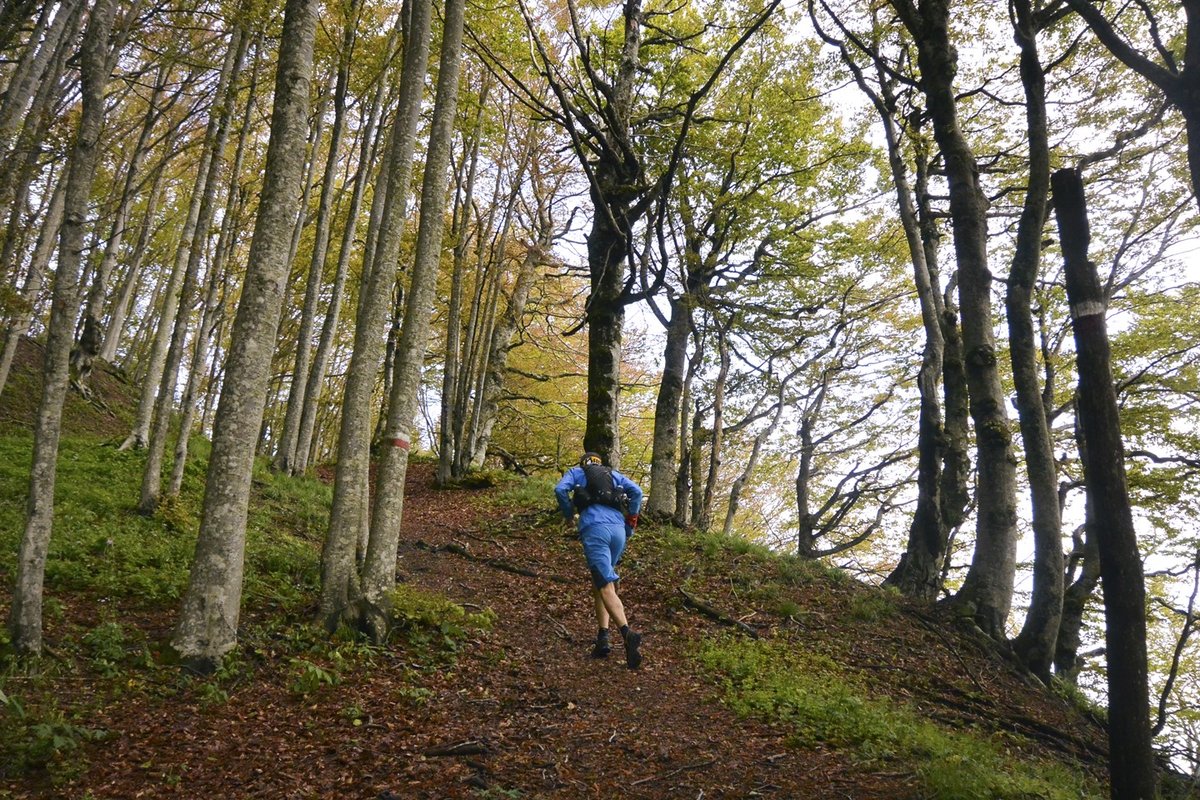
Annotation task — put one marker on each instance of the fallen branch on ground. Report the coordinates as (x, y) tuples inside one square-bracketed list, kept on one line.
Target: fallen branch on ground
[(720, 616), (471, 747), (496, 563)]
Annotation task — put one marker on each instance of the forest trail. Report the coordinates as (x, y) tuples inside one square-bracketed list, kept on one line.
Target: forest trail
[(525, 712)]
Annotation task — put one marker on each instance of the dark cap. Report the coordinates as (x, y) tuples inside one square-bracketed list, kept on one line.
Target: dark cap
[(590, 458)]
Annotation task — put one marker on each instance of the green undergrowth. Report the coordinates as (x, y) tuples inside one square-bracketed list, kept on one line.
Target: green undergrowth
[(535, 492), (820, 704), (109, 568)]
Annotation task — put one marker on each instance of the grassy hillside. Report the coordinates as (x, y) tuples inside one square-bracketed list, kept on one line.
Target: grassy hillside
[(764, 676)]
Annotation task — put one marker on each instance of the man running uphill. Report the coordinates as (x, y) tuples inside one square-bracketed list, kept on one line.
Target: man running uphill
[(608, 504)]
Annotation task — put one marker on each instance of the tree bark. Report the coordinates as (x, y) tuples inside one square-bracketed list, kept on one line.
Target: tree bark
[(39, 260), (211, 305), (211, 605), (987, 589), (452, 412), (222, 112), (1035, 645), (1131, 760), (286, 457), (320, 363), (92, 336), (664, 463), (25, 613), (379, 571), (339, 576), (124, 295)]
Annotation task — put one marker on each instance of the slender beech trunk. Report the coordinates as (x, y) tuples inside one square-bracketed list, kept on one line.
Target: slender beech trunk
[(286, 457), (212, 603), (35, 67), (1131, 761), (339, 579), (139, 437), (450, 439), (125, 293), (664, 463), (320, 364), (379, 571), (39, 260), (687, 441), (217, 277), (92, 337), (1035, 645), (806, 541), (484, 315), (716, 439), (739, 483), (987, 589), (919, 572), (222, 112), (1082, 577), (501, 342), (20, 164), (25, 613)]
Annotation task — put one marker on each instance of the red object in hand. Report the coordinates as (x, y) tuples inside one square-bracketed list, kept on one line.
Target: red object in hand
[(631, 520)]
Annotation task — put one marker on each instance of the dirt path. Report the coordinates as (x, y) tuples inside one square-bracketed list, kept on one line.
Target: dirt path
[(525, 712)]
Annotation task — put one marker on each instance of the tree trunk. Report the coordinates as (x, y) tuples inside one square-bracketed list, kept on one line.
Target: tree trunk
[(919, 572), (285, 459), (216, 278), (716, 439), (687, 443), (219, 130), (339, 577), (92, 337), (379, 571), (34, 67), (664, 463), (1131, 761), (156, 362), (39, 260), (211, 605), (452, 412), (20, 164), (739, 483), (1035, 645), (128, 286), (25, 613), (987, 589), (316, 375), (501, 342)]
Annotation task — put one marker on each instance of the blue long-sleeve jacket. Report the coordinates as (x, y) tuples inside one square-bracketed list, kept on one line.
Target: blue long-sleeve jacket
[(596, 513)]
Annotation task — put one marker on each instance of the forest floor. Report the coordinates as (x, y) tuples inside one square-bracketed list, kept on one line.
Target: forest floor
[(519, 709), (524, 711)]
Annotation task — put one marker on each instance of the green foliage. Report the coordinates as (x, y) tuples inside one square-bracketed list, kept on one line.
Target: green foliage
[(434, 622), (821, 704), (41, 740), (496, 793), (309, 677), (107, 646), (535, 492), (873, 606), (103, 547)]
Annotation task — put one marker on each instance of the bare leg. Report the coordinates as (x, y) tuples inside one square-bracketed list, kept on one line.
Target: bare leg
[(608, 603), (601, 611)]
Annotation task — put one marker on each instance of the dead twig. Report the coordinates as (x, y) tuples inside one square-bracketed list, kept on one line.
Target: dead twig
[(684, 768)]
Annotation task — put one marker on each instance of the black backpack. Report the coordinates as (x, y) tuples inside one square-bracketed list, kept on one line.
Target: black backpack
[(600, 489)]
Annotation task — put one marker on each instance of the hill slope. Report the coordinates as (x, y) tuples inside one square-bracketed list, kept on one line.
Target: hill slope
[(764, 676)]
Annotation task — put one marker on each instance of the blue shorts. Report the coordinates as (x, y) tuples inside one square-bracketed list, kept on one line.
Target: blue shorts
[(603, 546)]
